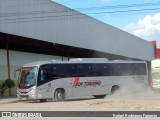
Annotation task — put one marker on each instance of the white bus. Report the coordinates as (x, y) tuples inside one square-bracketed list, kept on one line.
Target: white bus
[(78, 77), (155, 74)]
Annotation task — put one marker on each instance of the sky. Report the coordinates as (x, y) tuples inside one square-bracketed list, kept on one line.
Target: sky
[(138, 17)]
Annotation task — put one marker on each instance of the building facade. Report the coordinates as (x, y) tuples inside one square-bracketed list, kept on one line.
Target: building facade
[(35, 30)]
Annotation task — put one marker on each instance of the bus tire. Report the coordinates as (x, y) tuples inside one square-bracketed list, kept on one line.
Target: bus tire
[(42, 100), (59, 95), (115, 89), (99, 96)]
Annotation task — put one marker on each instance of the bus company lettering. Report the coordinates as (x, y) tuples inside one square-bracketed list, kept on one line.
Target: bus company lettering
[(75, 82)]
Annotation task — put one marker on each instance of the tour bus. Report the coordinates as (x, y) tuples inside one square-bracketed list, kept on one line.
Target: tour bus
[(155, 73), (79, 77)]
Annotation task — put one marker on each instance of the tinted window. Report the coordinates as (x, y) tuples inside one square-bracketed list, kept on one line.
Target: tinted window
[(63, 70), (70, 70), (125, 69), (44, 74), (56, 71), (117, 69), (97, 70), (83, 70)]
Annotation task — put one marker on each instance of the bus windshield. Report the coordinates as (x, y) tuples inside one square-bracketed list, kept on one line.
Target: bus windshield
[(27, 77)]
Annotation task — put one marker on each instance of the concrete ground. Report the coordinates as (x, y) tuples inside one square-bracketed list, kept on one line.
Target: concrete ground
[(8, 99), (147, 101)]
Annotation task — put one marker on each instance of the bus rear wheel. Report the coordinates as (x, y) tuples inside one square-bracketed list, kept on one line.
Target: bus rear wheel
[(115, 89), (59, 95)]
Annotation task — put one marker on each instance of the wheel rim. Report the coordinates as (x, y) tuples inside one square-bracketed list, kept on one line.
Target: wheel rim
[(60, 96)]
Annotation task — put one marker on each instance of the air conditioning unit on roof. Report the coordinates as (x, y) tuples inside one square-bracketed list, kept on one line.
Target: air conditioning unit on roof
[(89, 59)]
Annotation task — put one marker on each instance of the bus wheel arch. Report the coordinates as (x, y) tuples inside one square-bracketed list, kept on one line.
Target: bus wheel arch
[(99, 96), (115, 89), (59, 94), (43, 100)]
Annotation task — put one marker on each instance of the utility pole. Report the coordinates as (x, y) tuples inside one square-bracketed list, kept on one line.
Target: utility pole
[(8, 63)]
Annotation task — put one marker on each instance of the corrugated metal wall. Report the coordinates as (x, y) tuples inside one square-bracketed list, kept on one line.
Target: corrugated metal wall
[(48, 21)]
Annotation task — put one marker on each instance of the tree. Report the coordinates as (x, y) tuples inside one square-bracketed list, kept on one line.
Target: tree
[(6, 85)]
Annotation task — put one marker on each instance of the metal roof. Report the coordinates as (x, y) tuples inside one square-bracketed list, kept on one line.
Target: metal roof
[(49, 21)]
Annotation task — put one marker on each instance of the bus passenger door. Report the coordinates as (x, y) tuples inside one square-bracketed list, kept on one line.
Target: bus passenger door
[(44, 82)]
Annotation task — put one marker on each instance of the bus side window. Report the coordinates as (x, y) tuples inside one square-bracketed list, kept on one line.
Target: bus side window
[(82, 70), (42, 76), (96, 70)]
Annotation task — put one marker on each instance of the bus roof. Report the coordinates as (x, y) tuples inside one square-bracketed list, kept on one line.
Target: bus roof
[(89, 59), (37, 63), (79, 60)]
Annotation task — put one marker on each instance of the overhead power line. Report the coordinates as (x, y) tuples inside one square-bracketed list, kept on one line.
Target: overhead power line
[(125, 11), (119, 6), (69, 13), (27, 19), (80, 9)]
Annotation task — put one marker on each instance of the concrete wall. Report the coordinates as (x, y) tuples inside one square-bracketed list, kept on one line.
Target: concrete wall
[(17, 59), (3, 65)]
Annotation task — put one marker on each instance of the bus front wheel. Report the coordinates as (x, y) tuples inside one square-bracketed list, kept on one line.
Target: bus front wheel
[(59, 95)]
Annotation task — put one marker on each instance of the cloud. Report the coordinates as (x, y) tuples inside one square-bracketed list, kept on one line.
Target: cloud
[(147, 28)]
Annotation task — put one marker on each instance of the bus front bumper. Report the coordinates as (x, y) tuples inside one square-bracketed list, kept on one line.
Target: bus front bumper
[(23, 95)]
